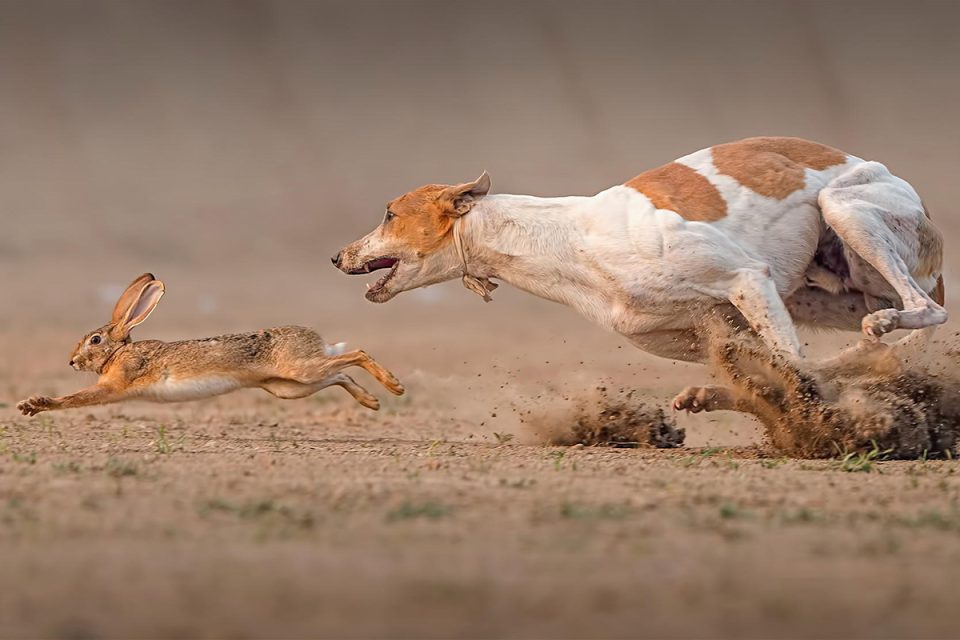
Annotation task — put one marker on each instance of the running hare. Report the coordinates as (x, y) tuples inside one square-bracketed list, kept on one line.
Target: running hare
[(289, 362)]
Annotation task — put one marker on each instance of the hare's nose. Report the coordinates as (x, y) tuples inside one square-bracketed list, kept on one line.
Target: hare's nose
[(336, 260), (72, 363)]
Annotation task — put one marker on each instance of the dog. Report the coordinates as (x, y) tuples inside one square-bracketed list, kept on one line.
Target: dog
[(785, 231)]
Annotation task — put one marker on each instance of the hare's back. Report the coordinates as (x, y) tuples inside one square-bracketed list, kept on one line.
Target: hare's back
[(192, 369), (238, 351)]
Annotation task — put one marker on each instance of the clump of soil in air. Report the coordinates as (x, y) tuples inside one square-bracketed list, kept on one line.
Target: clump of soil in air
[(872, 397), (619, 421)]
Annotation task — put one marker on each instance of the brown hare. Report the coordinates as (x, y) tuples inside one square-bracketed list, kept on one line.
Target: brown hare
[(289, 362)]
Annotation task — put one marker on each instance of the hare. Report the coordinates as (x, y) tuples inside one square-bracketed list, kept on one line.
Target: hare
[(289, 362)]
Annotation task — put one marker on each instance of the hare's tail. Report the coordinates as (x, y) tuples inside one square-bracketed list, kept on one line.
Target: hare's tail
[(335, 349)]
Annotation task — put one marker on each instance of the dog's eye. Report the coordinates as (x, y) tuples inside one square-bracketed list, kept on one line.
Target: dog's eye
[(390, 216), (95, 339)]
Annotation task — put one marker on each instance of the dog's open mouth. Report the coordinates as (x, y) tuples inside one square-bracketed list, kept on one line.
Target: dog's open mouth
[(376, 265)]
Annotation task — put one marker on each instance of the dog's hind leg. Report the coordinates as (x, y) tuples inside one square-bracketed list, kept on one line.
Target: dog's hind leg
[(880, 218)]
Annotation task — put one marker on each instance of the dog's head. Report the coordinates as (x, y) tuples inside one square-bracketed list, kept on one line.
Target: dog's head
[(414, 241)]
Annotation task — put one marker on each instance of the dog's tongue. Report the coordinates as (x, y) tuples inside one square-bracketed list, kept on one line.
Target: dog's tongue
[(381, 263)]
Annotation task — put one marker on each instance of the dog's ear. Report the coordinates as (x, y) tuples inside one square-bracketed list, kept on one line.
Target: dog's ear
[(459, 199)]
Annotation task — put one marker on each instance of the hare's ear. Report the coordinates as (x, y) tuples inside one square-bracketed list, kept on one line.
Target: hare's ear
[(128, 297), (140, 310)]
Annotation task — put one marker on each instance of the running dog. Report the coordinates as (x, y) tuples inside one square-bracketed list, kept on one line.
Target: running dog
[(783, 229)]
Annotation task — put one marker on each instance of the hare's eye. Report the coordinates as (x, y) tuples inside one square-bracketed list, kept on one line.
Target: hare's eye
[(95, 340), (390, 216)]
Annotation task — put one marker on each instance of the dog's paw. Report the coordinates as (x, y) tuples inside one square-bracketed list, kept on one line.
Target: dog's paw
[(33, 406), (881, 322), (705, 398)]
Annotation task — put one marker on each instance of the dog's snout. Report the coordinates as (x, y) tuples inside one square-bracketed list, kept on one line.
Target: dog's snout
[(337, 259), (72, 363)]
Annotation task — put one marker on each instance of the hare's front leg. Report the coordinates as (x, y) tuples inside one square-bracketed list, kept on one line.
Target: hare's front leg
[(84, 398), (359, 394)]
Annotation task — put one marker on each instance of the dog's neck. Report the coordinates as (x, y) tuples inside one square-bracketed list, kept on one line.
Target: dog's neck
[(526, 241)]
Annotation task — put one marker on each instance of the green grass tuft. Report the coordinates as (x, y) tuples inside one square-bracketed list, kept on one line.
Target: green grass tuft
[(410, 511)]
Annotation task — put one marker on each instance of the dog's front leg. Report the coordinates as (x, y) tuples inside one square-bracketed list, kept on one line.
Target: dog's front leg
[(709, 397), (753, 292)]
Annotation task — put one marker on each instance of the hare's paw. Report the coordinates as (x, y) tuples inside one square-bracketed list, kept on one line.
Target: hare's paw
[(369, 401), (390, 382), (393, 386), (33, 406)]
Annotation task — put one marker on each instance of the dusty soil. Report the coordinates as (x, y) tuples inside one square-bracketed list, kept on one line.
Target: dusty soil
[(443, 515), (898, 399)]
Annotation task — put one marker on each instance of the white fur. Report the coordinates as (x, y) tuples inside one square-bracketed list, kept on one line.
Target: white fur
[(335, 349), (171, 389), (648, 273), (629, 267)]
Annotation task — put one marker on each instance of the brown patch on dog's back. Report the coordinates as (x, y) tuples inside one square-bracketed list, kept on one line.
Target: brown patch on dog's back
[(679, 188), (773, 167)]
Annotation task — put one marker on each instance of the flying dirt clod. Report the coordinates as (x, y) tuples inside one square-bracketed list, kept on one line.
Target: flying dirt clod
[(611, 419)]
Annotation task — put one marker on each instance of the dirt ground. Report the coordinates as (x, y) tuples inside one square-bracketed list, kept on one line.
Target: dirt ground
[(442, 515)]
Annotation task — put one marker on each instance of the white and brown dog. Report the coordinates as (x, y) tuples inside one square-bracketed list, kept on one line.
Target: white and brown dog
[(784, 229)]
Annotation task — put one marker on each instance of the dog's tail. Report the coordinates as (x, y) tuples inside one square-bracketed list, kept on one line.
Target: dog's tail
[(931, 254), (939, 295)]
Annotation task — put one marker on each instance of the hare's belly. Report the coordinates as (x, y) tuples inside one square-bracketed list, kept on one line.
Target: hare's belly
[(173, 389)]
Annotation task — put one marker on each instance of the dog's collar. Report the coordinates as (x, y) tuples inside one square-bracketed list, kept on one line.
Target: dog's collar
[(480, 286)]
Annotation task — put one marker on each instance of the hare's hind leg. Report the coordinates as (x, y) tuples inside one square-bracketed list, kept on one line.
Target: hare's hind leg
[(287, 389), (318, 369), (291, 389)]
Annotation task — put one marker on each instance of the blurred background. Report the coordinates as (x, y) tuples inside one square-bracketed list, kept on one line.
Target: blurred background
[(233, 146)]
